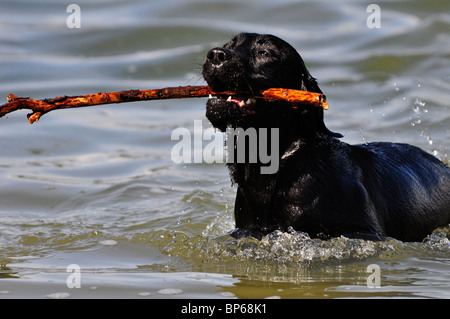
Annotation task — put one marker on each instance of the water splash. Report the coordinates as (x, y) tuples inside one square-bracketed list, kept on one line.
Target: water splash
[(439, 239), (418, 111), (297, 247), (279, 247)]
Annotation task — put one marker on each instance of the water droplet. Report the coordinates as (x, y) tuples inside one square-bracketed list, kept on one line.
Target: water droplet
[(108, 242), (170, 291), (418, 103), (58, 295), (144, 294)]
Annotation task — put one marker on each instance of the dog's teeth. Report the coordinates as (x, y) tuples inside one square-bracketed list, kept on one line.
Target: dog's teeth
[(241, 103), (250, 100), (229, 99), (210, 96)]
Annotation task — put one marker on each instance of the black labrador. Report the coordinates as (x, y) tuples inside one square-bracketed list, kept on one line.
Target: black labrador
[(322, 186)]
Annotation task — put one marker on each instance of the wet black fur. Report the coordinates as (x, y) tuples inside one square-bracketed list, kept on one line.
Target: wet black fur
[(323, 186)]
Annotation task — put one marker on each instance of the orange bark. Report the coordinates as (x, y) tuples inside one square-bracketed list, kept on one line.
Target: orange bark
[(40, 107)]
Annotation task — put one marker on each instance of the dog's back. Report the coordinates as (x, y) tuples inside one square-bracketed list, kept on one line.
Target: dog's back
[(409, 188)]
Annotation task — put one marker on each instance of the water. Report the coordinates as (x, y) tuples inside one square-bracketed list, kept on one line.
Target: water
[(97, 188)]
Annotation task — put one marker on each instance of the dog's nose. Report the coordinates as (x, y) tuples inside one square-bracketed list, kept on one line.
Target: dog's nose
[(217, 56)]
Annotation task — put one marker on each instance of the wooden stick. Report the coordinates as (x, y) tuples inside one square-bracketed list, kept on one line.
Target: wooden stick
[(40, 107), (297, 96)]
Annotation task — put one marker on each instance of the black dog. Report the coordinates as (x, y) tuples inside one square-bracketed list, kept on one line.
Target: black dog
[(323, 186)]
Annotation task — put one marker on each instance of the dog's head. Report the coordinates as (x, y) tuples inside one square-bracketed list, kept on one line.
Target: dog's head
[(251, 63)]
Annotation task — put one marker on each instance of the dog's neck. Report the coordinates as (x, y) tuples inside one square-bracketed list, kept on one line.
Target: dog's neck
[(277, 133), (276, 151)]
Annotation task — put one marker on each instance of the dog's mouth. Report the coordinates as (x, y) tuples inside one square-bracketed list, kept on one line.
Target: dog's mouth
[(246, 105)]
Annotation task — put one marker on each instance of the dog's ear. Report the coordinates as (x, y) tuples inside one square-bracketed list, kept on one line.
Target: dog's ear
[(322, 127), (309, 84)]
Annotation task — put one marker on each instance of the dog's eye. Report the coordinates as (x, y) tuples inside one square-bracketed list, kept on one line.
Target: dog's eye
[(263, 53)]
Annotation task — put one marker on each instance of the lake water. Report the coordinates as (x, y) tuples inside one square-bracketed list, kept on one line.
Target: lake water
[(91, 198)]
